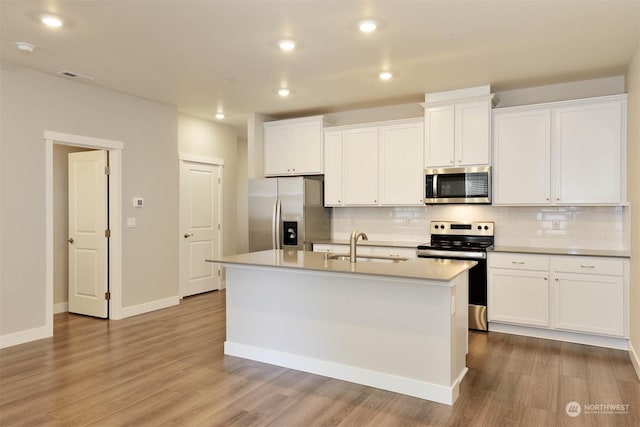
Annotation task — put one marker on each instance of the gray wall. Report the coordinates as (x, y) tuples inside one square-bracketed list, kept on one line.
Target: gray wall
[(32, 102), (206, 138)]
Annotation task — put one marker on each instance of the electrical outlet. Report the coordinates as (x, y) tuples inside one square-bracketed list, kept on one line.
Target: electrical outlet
[(555, 225)]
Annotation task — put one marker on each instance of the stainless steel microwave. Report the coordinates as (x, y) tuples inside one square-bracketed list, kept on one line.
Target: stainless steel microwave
[(458, 185)]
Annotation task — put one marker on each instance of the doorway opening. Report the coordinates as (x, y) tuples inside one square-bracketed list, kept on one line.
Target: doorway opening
[(114, 149)]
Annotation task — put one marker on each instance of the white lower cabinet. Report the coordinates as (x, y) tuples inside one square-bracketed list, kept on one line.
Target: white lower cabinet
[(518, 289), (589, 295), (562, 293), (520, 297), (391, 251)]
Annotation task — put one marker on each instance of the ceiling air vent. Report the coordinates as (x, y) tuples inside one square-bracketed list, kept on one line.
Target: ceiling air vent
[(72, 75)]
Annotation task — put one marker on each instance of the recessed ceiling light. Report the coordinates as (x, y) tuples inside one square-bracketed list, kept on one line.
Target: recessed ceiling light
[(284, 92), (220, 116), (25, 47), (385, 75), (287, 45), (367, 25), (51, 21)]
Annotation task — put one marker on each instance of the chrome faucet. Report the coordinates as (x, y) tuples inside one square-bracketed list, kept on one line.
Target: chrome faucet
[(353, 240)]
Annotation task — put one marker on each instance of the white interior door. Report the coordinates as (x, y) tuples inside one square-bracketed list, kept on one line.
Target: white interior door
[(200, 227), (88, 241)]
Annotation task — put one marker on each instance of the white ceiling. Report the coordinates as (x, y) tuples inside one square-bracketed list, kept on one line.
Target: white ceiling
[(204, 56)]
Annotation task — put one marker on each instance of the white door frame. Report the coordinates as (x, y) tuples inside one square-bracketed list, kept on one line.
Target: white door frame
[(115, 216), (184, 157)]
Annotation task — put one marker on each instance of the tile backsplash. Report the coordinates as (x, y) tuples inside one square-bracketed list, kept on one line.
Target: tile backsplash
[(582, 227)]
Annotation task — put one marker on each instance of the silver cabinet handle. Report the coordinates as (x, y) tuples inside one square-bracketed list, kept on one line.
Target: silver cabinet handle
[(517, 262), (588, 266), (187, 235)]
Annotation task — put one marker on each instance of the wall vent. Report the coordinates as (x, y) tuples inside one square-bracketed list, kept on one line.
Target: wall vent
[(72, 75)]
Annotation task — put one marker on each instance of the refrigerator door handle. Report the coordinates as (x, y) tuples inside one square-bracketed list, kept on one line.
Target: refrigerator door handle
[(278, 222), (274, 218)]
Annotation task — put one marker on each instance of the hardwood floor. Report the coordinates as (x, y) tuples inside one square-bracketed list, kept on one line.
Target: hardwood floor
[(168, 368)]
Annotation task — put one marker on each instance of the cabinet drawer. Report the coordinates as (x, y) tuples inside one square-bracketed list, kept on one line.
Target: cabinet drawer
[(519, 261), (394, 251), (588, 265)]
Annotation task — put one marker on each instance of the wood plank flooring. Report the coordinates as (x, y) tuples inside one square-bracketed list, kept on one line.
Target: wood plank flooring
[(168, 368)]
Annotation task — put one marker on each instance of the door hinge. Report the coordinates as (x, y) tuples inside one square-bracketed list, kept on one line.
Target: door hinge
[(107, 170), (218, 272), (219, 181), (107, 295), (107, 233), (218, 226)]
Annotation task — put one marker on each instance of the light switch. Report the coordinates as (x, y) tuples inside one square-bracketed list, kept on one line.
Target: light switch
[(138, 202), (131, 222)]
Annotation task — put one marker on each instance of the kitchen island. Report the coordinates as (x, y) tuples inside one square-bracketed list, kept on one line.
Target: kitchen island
[(391, 324)]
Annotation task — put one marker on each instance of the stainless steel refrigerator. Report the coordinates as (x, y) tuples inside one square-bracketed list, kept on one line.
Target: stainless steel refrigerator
[(287, 213)]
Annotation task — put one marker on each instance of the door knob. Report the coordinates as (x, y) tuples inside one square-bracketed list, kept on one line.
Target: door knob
[(70, 240), (187, 235)]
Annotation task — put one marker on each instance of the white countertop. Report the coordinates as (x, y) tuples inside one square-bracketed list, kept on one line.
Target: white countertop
[(563, 251), (415, 268)]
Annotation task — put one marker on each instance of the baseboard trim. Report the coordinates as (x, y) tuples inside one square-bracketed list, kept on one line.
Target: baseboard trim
[(147, 307), (22, 337), (62, 307), (408, 386), (586, 339), (635, 360)]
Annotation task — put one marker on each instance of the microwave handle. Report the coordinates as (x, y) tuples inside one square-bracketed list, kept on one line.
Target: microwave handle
[(435, 185)]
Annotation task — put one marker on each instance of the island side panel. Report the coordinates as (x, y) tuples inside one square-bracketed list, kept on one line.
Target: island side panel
[(401, 329)]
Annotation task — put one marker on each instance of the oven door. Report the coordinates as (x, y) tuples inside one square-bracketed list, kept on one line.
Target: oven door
[(458, 185), (477, 288)]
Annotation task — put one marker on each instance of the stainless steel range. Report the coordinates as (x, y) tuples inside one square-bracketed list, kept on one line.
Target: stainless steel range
[(465, 240)]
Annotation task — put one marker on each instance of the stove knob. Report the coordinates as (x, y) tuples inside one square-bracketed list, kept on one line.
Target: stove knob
[(479, 227), (442, 226), (486, 227), (436, 226)]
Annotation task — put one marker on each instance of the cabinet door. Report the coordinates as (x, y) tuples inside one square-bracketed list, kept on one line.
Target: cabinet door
[(472, 129), (439, 136), (522, 162), (278, 155), (520, 297), (588, 155), (333, 179), (589, 303), (306, 144), (360, 167), (401, 165)]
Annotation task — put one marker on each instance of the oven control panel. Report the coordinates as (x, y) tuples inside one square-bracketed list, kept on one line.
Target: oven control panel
[(474, 228)]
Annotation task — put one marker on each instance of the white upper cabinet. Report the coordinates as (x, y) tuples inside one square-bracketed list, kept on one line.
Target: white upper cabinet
[(522, 157), (588, 153), (565, 153), (293, 147), (377, 164), (401, 175), (439, 136), (458, 128), (360, 166), (333, 168)]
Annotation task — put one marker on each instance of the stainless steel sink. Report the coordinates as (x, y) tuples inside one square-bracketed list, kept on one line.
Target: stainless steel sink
[(368, 258)]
